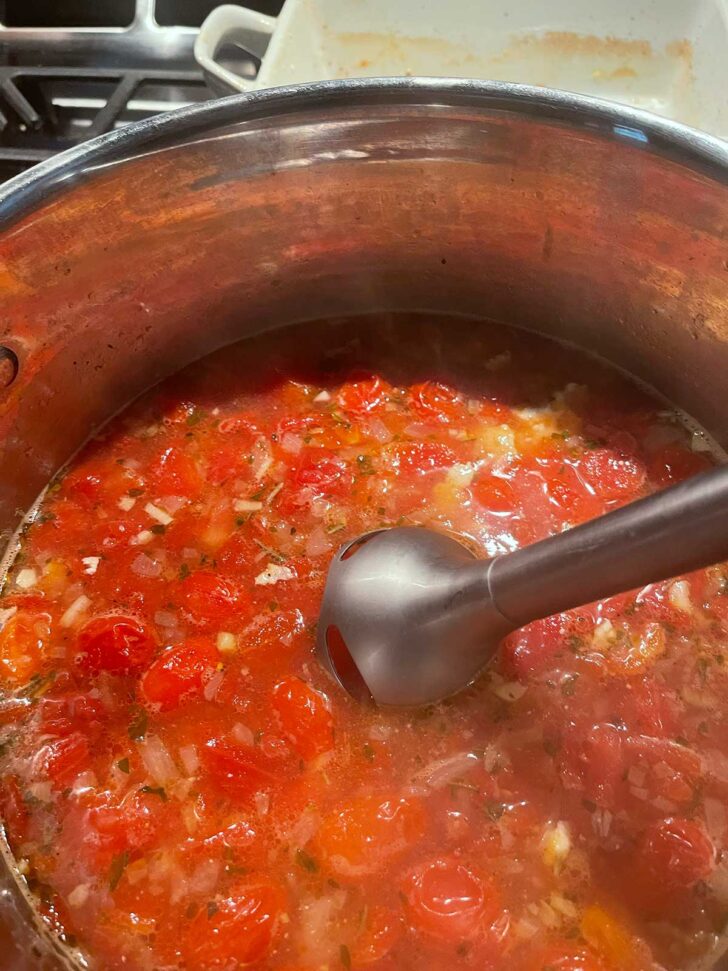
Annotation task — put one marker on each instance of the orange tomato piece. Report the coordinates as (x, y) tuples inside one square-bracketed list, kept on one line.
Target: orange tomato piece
[(23, 641)]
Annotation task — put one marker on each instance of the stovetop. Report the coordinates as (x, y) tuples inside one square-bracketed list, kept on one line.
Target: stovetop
[(74, 69)]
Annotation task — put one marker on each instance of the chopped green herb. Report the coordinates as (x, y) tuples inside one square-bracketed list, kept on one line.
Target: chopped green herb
[(550, 746), (590, 806), (123, 765), (212, 909), (345, 956), (335, 527), (135, 493), (368, 752), (494, 810), (306, 862), (138, 726), (568, 685), (155, 791), (159, 529), (184, 572), (116, 871)]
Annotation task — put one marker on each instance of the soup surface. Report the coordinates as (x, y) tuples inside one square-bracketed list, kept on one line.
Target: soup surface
[(183, 786)]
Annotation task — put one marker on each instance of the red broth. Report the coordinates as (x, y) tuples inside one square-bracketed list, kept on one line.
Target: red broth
[(185, 788)]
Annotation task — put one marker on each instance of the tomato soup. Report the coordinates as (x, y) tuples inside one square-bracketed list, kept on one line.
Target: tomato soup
[(184, 787)]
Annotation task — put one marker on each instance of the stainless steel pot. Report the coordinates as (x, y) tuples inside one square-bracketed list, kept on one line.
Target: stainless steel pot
[(125, 259)]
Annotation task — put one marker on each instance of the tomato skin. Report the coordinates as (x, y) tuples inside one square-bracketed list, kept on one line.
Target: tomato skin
[(436, 402), (304, 716), (675, 854), (239, 932), (531, 650), (363, 836), (113, 643), (382, 931), (448, 901), (178, 674), (208, 599), (62, 759), (566, 957), (362, 396), (611, 475), (239, 770), (134, 826), (319, 473), (61, 715), (495, 494), (174, 474)]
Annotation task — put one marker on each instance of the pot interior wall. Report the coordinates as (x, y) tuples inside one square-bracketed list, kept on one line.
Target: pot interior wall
[(139, 266)]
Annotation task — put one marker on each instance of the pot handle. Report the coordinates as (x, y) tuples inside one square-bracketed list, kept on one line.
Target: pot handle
[(230, 24)]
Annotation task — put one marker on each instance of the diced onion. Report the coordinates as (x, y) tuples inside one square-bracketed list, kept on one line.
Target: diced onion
[(126, 503), (262, 458), (247, 505), (165, 618), (227, 643), (26, 578), (556, 844), (318, 542), (461, 474), (262, 803), (242, 734), (159, 514), (189, 759), (173, 504), (291, 443), (157, 760), (715, 818), (322, 397), (145, 566), (143, 537), (213, 685), (274, 573), (439, 773), (509, 690), (679, 596), (75, 611), (91, 564), (79, 895), (378, 430), (41, 790), (6, 614), (604, 635)]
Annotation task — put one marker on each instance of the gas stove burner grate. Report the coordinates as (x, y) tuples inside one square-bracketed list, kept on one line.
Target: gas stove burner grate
[(73, 70)]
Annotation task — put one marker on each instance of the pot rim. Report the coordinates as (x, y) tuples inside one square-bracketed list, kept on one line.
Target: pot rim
[(641, 129)]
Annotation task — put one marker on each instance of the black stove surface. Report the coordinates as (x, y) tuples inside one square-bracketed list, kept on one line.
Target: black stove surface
[(74, 69)]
